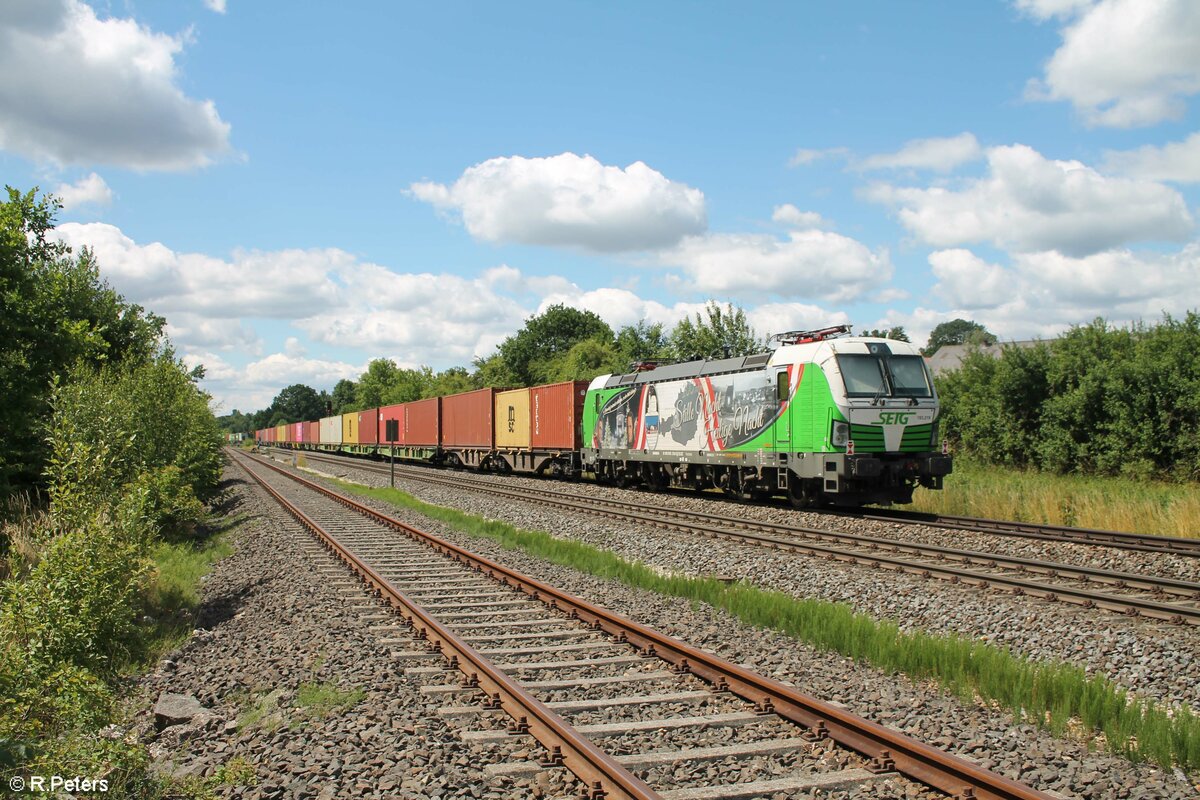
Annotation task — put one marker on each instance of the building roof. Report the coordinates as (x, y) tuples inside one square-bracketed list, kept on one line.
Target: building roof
[(949, 357)]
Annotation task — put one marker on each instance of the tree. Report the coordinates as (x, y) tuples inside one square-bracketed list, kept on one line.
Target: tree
[(897, 333), (297, 403), (641, 342), (957, 331), (55, 312), (586, 360), (454, 380), (528, 353), (373, 384), (343, 396), (409, 385), (720, 333)]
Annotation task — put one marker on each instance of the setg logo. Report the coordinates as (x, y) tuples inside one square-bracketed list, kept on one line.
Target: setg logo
[(894, 417)]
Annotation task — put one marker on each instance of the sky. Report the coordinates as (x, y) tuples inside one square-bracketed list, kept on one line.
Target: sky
[(299, 188)]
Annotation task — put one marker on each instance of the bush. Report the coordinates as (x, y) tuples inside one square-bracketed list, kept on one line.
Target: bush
[(1097, 400)]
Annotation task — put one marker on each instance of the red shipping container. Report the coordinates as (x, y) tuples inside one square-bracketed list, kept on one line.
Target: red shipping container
[(388, 414), (296, 432), (368, 426), (555, 414), (467, 419), (312, 432), (422, 422)]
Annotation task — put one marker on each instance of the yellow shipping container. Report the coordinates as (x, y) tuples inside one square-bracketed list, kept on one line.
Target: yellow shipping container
[(281, 433), (512, 419), (350, 428)]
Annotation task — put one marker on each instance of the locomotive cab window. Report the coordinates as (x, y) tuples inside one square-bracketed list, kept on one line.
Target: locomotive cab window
[(782, 384), (886, 376)]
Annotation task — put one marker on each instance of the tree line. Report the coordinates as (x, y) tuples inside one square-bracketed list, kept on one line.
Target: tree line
[(1097, 400), (560, 344)]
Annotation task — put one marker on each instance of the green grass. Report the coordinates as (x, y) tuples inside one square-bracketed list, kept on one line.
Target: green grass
[(173, 594), (1057, 696), (260, 712), (323, 699), (1123, 504)]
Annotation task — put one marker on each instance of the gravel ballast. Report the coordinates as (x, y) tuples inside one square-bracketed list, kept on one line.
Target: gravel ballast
[(988, 736), (279, 615), (1155, 659)]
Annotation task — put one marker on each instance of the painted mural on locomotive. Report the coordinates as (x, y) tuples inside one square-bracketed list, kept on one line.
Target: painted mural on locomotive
[(708, 413)]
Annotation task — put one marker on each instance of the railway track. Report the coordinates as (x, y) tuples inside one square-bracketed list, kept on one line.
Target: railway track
[(1139, 542), (1154, 597), (592, 686)]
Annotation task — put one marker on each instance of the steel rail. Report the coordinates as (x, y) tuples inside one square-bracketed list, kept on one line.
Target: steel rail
[(661, 517), (886, 748), (1142, 542), (599, 771), (1121, 540)]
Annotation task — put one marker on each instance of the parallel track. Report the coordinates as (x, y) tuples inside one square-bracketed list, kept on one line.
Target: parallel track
[(1166, 599), (402, 565)]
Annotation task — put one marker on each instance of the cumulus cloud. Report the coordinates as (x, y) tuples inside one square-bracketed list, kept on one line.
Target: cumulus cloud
[(75, 88), (772, 318), (939, 154), (788, 214), (967, 281), (1178, 162), (1041, 294), (215, 5), (570, 201), (808, 263), (1027, 202), (89, 190), (1122, 63)]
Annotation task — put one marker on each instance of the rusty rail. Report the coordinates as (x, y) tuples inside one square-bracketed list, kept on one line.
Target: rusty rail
[(886, 748), (568, 748)]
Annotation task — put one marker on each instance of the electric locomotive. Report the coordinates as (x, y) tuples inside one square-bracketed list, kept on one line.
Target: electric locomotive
[(826, 418)]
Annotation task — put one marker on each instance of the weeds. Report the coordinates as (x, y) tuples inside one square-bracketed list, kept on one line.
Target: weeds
[(1052, 695), (1123, 504), (320, 700)]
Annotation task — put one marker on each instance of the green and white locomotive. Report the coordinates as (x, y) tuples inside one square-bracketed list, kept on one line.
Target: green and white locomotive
[(825, 418)]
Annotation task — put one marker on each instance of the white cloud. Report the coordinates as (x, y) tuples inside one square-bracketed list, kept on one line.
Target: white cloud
[(89, 190), (1041, 294), (75, 88), (1046, 9), (620, 307), (773, 318), (788, 214), (1027, 202), (1178, 162), (1122, 63), (939, 154), (803, 156), (808, 263), (196, 332), (570, 201), (967, 281), (215, 5)]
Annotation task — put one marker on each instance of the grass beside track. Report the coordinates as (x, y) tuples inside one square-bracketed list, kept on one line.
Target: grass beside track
[(1121, 504), (1057, 696)]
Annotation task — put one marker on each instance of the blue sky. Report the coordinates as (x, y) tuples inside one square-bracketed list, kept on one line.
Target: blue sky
[(301, 188)]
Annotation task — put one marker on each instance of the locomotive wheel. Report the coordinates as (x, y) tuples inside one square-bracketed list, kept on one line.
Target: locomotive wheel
[(803, 493)]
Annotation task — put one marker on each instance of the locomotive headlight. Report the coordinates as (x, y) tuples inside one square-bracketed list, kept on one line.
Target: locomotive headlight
[(841, 434)]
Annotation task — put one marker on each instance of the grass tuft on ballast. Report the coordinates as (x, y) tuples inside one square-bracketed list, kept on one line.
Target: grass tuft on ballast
[(1057, 696)]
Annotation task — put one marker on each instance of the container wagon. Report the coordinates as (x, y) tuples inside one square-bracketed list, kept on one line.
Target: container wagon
[(330, 433)]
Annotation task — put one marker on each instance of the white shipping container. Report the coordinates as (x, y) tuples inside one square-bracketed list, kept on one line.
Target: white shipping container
[(331, 430)]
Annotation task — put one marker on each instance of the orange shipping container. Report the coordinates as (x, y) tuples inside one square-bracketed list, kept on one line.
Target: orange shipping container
[(555, 414), (467, 419)]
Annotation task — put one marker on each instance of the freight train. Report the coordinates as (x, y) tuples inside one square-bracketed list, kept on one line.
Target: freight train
[(823, 419)]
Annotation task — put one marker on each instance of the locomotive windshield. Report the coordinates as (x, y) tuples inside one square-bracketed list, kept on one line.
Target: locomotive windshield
[(886, 376)]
